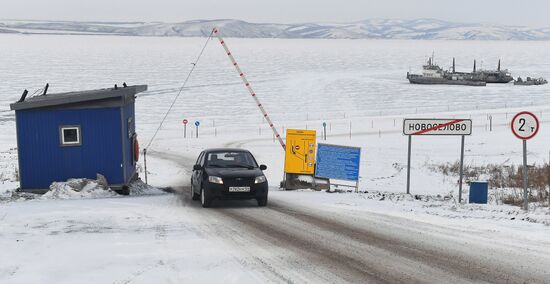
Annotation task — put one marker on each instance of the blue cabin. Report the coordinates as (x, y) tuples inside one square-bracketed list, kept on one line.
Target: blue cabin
[(77, 135)]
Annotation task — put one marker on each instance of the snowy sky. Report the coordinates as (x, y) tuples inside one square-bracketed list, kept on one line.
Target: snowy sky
[(513, 12)]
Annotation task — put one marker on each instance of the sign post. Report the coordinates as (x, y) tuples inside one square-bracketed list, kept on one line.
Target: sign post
[(324, 131), (461, 176), (409, 166), (525, 126), (447, 127), (197, 123), (185, 121)]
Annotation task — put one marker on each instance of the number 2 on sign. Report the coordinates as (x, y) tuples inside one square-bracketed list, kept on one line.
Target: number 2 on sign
[(522, 122)]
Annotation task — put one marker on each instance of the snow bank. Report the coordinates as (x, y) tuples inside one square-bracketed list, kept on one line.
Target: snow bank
[(445, 205), (79, 189), (87, 188), (138, 187)]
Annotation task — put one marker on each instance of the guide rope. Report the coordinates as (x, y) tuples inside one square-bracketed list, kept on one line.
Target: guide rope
[(179, 93), (247, 84)]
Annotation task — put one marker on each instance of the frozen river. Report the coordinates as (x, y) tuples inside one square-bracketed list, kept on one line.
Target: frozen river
[(293, 76)]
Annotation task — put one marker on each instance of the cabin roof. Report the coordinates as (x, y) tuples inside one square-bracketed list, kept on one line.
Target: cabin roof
[(58, 99)]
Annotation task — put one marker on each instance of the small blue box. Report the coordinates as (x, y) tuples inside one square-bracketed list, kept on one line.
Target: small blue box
[(479, 192)]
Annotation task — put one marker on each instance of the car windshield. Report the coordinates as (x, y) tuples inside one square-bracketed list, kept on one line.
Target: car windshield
[(230, 160)]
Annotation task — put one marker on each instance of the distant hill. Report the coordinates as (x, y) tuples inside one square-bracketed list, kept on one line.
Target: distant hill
[(375, 29)]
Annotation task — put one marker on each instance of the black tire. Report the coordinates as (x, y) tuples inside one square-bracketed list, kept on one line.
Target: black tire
[(205, 199), (262, 202), (194, 196), (125, 190)]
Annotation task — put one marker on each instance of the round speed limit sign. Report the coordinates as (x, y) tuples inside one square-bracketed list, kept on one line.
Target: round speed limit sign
[(525, 125)]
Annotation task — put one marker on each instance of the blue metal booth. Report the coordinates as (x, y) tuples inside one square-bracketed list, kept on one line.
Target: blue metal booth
[(77, 135)]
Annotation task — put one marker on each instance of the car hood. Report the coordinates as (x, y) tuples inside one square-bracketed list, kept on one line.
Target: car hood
[(234, 172)]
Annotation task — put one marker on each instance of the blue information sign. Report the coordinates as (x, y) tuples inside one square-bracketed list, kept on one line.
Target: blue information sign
[(338, 162)]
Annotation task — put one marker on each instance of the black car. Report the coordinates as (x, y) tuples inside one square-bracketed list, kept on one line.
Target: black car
[(228, 174)]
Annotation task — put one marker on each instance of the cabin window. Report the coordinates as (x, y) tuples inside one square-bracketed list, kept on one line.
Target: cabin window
[(70, 135)]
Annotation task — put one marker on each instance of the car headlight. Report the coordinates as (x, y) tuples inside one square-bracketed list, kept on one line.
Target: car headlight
[(214, 179), (260, 179)]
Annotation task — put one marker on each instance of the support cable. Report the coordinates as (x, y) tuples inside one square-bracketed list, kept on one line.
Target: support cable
[(179, 93)]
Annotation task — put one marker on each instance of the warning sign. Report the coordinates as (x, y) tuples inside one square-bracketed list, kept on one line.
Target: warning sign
[(300, 151)]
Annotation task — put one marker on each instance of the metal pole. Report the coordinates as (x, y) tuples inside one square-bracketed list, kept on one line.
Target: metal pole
[(185, 131), (197, 131), (525, 177), (409, 166), (325, 132), (145, 163), (461, 170)]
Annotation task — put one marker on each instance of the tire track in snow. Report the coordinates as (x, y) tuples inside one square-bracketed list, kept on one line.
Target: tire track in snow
[(306, 244)]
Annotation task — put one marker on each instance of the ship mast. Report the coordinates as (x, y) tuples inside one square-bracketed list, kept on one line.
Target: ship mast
[(454, 69)]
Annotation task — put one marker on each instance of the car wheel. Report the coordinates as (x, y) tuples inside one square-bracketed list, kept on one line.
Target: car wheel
[(205, 200), (262, 201), (194, 196)]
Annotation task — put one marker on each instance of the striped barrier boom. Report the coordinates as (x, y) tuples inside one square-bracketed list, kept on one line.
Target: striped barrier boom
[(216, 32)]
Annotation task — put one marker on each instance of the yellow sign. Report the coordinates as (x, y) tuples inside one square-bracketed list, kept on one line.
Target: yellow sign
[(300, 151)]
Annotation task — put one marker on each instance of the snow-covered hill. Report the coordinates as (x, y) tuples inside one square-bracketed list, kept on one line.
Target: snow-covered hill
[(381, 28)]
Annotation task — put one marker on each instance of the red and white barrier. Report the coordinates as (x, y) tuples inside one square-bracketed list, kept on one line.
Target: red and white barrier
[(216, 31)]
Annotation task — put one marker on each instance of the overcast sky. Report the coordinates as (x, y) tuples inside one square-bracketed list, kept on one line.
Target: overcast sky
[(516, 12)]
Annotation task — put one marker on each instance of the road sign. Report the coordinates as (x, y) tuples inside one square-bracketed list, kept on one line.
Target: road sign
[(197, 123), (428, 126), (525, 125), (185, 121), (437, 126), (300, 151), (338, 162)]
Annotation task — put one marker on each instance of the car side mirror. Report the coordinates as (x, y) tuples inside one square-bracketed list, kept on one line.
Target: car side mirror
[(197, 167), (263, 167)]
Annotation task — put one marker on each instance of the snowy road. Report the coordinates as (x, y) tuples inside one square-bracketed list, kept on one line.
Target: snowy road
[(169, 238), (290, 242)]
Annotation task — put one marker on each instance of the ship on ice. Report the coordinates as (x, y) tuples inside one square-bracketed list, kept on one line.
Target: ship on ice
[(432, 74), (530, 81)]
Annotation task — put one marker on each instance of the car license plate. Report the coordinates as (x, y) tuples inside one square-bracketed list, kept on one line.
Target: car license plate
[(239, 189)]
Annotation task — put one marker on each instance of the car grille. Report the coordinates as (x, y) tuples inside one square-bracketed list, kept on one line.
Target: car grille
[(238, 181)]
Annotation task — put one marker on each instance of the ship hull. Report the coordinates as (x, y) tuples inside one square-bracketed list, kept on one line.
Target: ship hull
[(528, 84), (499, 81), (442, 81), (494, 77)]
